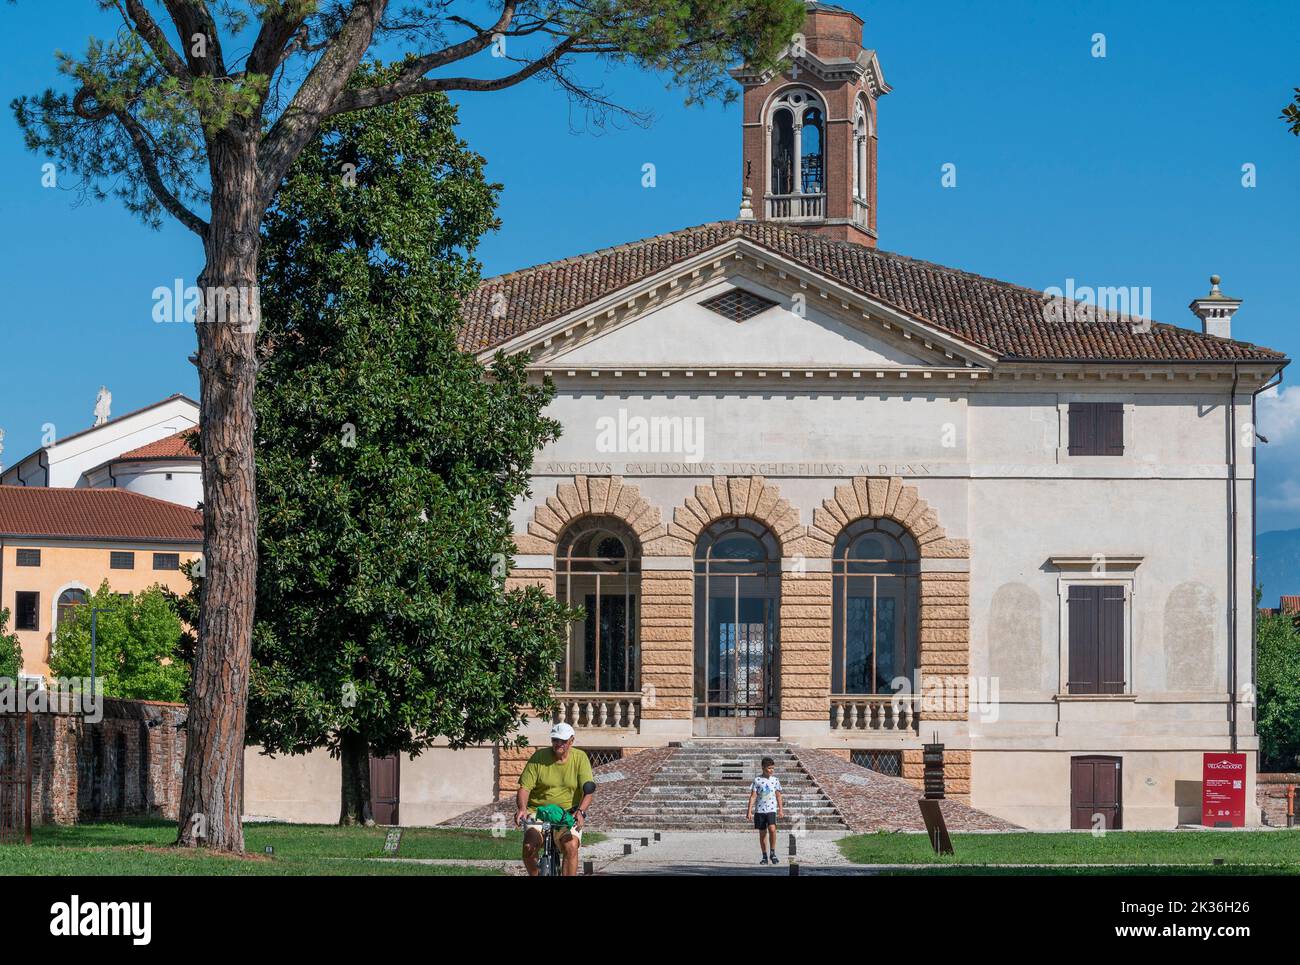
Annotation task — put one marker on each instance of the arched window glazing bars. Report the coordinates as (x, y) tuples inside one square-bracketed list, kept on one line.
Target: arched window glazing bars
[(69, 600), (876, 576), (598, 569), (737, 596)]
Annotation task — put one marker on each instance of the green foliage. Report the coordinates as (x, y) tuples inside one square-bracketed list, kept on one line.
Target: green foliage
[(147, 107), (134, 635), (1277, 676), (387, 459), (1291, 114), (11, 653)]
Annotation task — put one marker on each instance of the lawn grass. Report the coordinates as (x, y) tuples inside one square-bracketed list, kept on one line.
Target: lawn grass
[(1132, 848), (144, 848)]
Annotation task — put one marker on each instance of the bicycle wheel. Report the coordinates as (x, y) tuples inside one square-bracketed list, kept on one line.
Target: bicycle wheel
[(550, 864)]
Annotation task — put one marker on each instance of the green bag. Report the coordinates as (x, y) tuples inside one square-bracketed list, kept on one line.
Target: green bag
[(554, 814)]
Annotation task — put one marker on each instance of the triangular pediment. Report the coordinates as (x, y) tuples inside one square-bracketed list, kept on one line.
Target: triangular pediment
[(790, 327), (787, 317)]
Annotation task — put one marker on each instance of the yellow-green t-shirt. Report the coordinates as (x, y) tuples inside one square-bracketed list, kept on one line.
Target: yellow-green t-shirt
[(549, 782)]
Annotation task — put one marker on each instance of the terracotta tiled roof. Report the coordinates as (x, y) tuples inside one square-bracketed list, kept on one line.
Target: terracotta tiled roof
[(1291, 604), (169, 447), (1004, 319), (107, 514)]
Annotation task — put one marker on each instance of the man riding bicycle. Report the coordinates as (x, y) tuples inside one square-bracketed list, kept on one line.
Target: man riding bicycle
[(558, 775)]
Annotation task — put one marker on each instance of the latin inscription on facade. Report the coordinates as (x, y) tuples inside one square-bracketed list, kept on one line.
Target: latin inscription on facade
[(706, 468)]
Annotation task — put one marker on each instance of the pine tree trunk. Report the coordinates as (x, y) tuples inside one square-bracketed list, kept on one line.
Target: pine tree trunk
[(212, 788), (355, 756)]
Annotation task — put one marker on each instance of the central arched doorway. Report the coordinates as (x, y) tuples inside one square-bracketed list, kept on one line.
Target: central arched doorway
[(737, 654)]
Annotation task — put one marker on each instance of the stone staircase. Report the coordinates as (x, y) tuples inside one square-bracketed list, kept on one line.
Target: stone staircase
[(704, 786)]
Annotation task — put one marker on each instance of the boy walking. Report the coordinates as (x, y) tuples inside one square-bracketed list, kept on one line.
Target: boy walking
[(766, 804)]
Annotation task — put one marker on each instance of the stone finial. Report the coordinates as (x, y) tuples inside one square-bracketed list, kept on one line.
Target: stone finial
[(746, 205)]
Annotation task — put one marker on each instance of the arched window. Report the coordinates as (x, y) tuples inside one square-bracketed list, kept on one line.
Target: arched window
[(69, 600), (737, 596), (598, 568), (861, 133), (875, 580), (782, 152), (797, 125)]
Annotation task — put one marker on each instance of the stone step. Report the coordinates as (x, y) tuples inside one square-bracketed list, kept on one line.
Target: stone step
[(705, 785), (738, 813), (711, 825)]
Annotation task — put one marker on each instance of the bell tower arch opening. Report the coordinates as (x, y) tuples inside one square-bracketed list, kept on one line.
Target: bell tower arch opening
[(809, 141)]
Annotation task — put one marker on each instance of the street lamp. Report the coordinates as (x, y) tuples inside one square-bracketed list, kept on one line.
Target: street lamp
[(94, 621)]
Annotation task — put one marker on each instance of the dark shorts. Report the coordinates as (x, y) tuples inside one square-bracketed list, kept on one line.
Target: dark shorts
[(764, 819)]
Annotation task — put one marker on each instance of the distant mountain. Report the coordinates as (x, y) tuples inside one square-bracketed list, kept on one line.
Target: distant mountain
[(1278, 564)]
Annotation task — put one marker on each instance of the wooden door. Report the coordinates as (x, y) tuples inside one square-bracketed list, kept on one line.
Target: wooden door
[(1095, 789), (385, 788)]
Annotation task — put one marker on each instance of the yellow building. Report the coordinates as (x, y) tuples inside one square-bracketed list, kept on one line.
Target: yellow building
[(58, 545)]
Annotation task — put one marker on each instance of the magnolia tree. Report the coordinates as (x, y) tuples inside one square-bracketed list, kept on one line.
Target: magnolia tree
[(388, 460), (197, 108)]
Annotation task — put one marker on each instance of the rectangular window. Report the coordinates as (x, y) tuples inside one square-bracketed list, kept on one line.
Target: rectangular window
[(1096, 428), (883, 762), (27, 611), (118, 560), (29, 557), (1096, 641), (166, 561)]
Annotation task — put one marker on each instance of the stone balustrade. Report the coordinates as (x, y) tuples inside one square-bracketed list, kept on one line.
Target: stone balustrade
[(610, 711), (895, 713)]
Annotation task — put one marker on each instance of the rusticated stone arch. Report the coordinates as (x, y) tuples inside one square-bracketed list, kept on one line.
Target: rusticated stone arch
[(944, 633), (887, 498), (591, 496), (726, 496)]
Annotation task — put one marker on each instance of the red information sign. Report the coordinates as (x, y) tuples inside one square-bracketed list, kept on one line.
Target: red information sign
[(1223, 790)]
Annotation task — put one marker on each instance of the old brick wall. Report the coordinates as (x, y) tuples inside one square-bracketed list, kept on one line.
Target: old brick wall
[(1270, 795), (128, 764)]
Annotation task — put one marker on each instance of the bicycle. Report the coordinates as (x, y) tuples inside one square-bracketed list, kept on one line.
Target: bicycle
[(550, 862)]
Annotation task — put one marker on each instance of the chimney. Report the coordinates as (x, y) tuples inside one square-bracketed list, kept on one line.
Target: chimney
[(1215, 310)]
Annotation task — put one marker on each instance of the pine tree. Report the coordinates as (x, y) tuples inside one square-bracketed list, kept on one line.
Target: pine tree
[(388, 460)]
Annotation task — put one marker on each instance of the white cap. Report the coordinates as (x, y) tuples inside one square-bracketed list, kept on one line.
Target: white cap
[(561, 732)]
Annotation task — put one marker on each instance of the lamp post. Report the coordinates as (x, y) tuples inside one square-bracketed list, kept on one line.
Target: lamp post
[(94, 622)]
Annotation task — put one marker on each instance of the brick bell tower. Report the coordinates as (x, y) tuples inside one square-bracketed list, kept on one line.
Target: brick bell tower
[(809, 153)]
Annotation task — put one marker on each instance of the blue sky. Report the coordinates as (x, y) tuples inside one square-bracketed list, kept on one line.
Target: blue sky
[(1122, 170)]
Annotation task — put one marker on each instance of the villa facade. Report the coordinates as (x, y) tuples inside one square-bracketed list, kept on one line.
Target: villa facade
[(812, 490)]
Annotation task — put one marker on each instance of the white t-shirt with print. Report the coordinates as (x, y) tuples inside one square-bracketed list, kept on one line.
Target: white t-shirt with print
[(765, 788)]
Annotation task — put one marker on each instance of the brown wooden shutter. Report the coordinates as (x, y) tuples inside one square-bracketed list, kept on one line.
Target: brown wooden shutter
[(1085, 675), (1110, 643), (1096, 640), (1082, 429), (1111, 435)]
